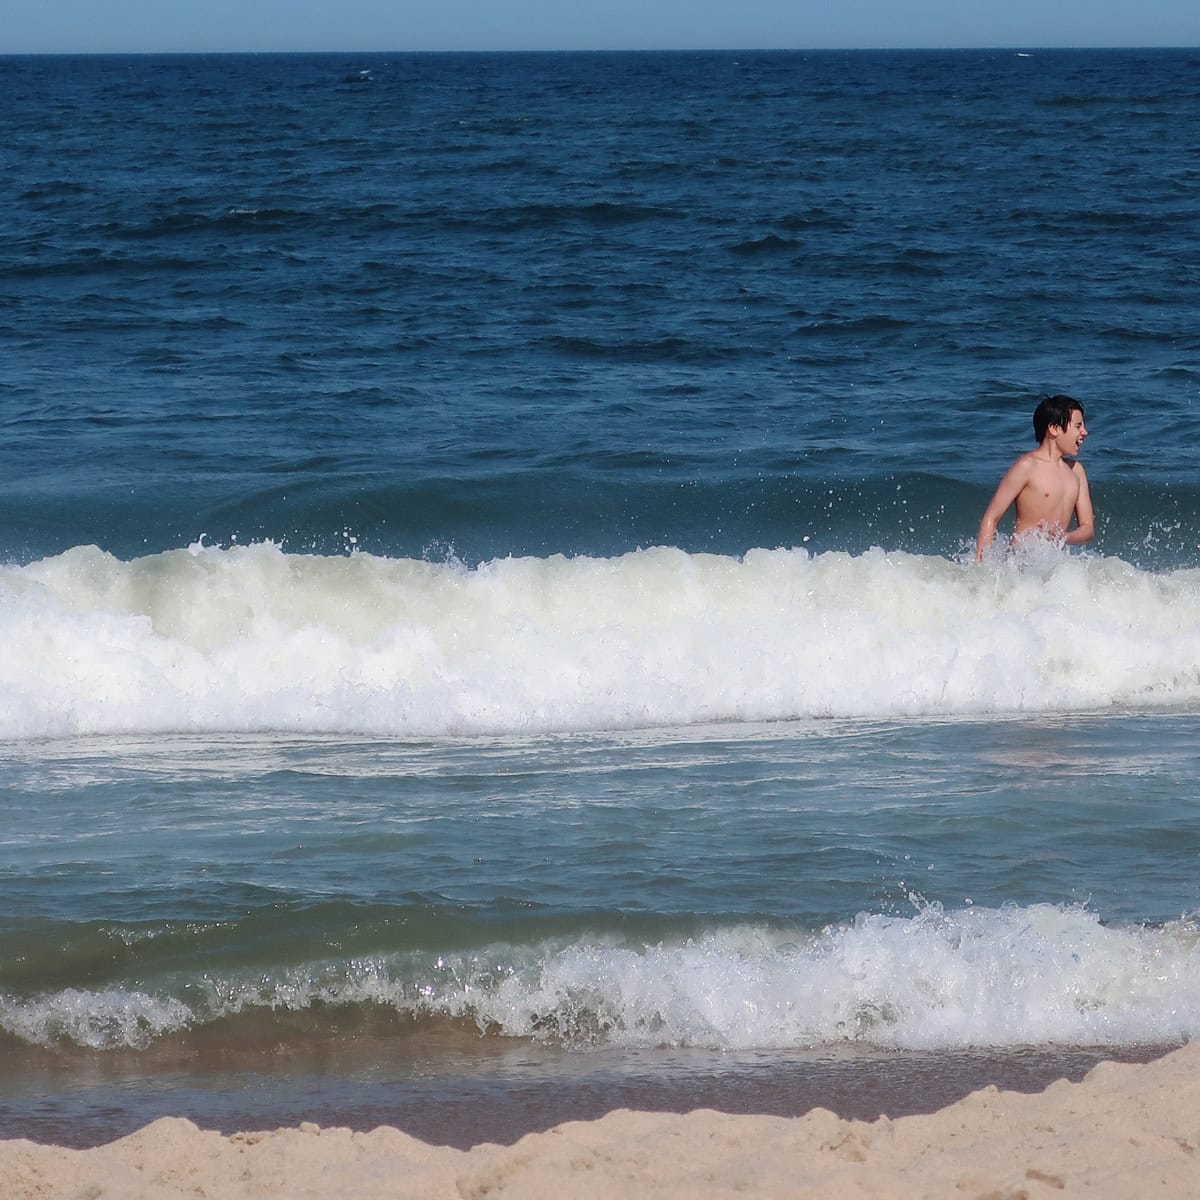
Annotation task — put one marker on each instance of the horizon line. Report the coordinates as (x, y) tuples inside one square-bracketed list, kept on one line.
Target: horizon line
[(1015, 48)]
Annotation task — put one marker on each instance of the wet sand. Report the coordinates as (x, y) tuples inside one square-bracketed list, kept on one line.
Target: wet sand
[(448, 1089), (1125, 1130)]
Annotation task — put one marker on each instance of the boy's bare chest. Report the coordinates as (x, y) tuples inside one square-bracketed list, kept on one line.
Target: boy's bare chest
[(1053, 484)]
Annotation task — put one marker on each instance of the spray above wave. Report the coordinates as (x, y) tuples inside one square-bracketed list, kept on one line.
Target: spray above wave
[(254, 639), (937, 980)]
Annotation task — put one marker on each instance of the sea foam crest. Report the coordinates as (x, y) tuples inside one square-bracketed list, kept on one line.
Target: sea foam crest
[(251, 638), (975, 977), (98, 1020)]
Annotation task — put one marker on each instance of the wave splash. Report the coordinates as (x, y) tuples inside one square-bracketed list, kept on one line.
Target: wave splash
[(975, 977), (253, 639)]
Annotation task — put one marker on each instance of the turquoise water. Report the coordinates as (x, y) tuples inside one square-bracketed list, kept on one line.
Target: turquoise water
[(487, 622)]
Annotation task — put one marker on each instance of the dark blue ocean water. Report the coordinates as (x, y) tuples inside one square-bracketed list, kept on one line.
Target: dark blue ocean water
[(582, 303), (486, 610)]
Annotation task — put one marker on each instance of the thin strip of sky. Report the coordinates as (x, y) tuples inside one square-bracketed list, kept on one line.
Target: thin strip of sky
[(206, 26)]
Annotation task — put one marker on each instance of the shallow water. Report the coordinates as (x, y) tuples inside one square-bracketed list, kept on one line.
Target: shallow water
[(782, 894)]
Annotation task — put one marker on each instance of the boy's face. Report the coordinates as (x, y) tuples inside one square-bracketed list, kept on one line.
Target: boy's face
[(1070, 440)]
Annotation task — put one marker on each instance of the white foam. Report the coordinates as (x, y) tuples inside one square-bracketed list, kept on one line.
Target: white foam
[(976, 977), (938, 980), (101, 1020), (250, 638)]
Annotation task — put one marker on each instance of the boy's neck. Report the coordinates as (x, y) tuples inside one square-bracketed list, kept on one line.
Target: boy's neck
[(1049, 449)]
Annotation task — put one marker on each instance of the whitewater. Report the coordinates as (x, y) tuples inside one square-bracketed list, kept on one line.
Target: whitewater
[(251, 638), (934, 980)]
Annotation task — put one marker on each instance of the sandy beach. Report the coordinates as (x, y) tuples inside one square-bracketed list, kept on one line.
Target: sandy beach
[(1123, 1131)]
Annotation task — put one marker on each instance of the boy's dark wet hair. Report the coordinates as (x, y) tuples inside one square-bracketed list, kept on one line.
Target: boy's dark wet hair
[(1053, 410)]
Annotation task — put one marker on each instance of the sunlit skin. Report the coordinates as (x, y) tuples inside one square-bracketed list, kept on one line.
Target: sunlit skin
[(1048, 490)]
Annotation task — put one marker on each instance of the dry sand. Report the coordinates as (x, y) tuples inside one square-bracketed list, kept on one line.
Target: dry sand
[(1124, 1132)]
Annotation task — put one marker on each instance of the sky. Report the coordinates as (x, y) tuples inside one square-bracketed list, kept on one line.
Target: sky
[(205, 26)]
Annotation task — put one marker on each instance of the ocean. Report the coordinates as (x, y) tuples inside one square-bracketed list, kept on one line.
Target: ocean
[(489, 628)]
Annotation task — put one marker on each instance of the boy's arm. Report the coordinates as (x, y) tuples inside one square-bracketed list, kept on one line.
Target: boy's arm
[(1015, 478), (1085, 522)]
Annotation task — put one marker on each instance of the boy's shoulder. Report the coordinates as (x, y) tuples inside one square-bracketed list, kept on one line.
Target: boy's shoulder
[(1026, 464)]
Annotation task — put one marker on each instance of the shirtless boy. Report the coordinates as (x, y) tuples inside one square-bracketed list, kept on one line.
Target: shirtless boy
[(1048, 486)]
